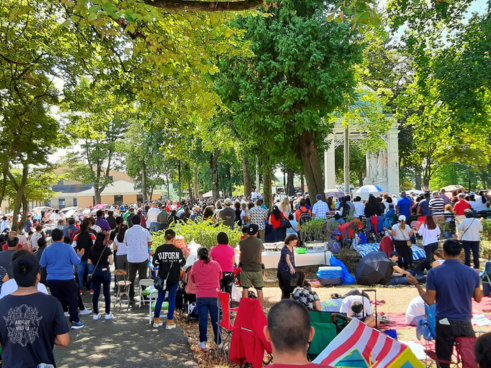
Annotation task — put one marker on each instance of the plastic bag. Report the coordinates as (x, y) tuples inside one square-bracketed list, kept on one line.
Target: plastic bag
[(236, 294), (348, 279)]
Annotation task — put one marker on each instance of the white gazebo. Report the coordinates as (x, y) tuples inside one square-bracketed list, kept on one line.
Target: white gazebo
[(382, 166)]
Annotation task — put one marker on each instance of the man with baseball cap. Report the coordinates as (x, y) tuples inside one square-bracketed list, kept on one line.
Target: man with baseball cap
[(251, 249), (227, 215)]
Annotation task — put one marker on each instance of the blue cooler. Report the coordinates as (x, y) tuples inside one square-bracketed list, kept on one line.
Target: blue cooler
[(330, 275)]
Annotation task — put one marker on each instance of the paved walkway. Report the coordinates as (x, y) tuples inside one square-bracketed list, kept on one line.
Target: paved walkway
[(126, 341)]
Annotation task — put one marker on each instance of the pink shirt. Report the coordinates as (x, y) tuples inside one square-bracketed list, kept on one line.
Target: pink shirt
[(224, 254), (206, 278)]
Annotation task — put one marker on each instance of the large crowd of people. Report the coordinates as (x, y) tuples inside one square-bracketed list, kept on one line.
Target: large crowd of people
[(76, 254)]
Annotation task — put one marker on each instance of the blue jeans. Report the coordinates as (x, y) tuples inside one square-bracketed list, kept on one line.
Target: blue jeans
[(81, 270), (172, 289), (204, 306), (101, 277), (154, 226)]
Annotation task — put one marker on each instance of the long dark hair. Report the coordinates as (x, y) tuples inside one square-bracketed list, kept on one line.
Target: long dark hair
[(276, 212), (430, 223), (203, 255), (372, 201), (121, 232), (99, 241)]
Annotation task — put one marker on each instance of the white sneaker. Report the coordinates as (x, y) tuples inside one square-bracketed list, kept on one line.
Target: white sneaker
[(85, 312), (109, 316), (66, 314), (96, 317), (202, 345)]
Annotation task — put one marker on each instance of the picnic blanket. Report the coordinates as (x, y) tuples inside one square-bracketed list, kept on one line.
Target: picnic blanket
[(483, 307), (398, 321), (364, 249)]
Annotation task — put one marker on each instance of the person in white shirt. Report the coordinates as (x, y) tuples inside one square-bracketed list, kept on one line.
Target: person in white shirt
[(470, 229), (138, 240), (55, 216), (358, 306), (5, 224), (415, 311), (481, 203), (152, 215), (10, 286), (430, 233), (359, 207)]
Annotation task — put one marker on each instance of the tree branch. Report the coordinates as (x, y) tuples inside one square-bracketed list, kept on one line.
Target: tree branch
[(208, 6)]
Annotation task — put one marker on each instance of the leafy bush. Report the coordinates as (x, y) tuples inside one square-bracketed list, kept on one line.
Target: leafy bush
[(313, 231), (486, 224), (202, 232)]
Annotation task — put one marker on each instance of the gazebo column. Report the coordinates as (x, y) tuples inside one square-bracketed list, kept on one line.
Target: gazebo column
[(330, 163), (393, 159)]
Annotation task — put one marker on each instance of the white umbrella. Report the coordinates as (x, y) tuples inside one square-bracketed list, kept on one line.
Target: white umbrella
[(366, 190), (415, 191)]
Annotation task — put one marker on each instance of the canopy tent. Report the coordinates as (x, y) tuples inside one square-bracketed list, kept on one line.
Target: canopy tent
[(415, 191), (451, 188), (336, 193), (361, 346), (210, 194)]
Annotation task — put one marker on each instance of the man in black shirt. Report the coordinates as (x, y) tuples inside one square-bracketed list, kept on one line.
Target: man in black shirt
[(111, 219), (32, 321)]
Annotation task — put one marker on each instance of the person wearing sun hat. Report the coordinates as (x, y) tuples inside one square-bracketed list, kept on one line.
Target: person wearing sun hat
[(401, 234)]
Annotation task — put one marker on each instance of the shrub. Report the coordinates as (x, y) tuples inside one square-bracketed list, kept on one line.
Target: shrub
[(202, 232)]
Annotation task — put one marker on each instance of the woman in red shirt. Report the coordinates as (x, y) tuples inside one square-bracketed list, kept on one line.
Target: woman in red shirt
[(206, 274), (275, 221)]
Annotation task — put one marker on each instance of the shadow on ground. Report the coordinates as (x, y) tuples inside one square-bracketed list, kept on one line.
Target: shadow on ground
[(126, 341)]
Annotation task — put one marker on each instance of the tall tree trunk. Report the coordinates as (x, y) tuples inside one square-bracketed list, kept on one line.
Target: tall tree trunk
[(25, 209), (196, 182), (214, 173), (190, 189), (4, 181), (268, 190), (247, 177), (20, 191), (302, 183), (97, 194), (144, 181), (417, 179), (229, 184), (311, 165), (290, 182), (360, 178)]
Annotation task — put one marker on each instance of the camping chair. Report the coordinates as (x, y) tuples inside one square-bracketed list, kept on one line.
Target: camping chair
[(122, 286), (145, 283), (225, 326), (464, 346), (325, 332), (486, 278), (248, 340)]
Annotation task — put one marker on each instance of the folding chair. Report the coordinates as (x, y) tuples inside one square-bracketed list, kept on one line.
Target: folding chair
[(248, 341), (325, 332), (463, 355), (145, 283), (122, 286), (225, 326)]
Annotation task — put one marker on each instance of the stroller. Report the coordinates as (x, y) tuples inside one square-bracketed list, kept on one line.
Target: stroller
[(186, 296)]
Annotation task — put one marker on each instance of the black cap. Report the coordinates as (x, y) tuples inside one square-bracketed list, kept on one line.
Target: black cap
[(394, 253), (253, 229)]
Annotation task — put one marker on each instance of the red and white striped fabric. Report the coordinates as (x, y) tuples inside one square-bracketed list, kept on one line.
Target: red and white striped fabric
[(378, 349)]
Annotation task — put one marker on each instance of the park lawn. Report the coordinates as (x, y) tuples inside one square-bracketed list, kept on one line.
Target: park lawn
[(396, 301)]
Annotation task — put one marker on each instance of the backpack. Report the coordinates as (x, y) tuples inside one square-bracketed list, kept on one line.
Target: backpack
[(163, 217), (304, 217)]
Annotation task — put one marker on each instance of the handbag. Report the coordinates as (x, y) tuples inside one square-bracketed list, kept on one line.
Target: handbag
[(159, 283), (285, 224), (460, 240), (408, 241), (89, 276)]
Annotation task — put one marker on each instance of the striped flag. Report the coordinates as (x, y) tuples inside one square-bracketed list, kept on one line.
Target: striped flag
[(359, 345)]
